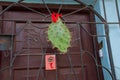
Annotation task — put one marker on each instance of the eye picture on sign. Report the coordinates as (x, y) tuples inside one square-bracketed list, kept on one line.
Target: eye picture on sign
[(50, 62)]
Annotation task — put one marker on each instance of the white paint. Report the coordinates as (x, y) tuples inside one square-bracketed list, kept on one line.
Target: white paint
[(100, 53)]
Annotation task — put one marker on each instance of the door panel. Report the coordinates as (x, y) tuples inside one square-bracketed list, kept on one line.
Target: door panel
[(31, 46), (67, 74), (24, 76)]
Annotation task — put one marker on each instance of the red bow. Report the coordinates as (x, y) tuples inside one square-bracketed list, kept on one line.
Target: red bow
[(55, 17)]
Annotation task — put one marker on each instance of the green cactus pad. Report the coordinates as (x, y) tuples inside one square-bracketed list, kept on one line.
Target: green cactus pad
[(59, 35)]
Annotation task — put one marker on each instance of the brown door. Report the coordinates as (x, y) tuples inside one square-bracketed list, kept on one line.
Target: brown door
[(31, 46)]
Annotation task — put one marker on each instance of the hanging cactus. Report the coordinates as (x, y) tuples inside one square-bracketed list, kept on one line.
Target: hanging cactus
[(59, 34)]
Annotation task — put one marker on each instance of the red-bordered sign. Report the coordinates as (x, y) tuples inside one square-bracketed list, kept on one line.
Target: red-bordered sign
[(50, 62)]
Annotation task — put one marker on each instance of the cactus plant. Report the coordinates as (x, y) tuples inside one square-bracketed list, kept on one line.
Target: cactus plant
[(59, 35)]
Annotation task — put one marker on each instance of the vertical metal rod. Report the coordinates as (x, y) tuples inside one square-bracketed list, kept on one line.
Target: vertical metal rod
[(107, 38), (117, 10), (81, 59), (40, 68), (1, 22), (71, 65), (108, 43), (11, 54), (104, 9), (94, 39), (111, 57), (56, 66), (28, 57), (42, 62), (94, 46)]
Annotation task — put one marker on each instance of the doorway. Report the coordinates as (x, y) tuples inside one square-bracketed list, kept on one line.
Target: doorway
[(26, 60)]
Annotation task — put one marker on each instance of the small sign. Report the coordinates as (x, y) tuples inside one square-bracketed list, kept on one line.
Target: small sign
[(50, 62)]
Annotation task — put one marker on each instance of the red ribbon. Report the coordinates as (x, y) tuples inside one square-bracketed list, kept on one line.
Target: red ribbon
[(55, 17)]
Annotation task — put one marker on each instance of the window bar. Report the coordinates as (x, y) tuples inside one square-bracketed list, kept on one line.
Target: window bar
[(107, 38), (40, 21), (92, 35), (110, 57), (28, 56), (61, 5), (81, 51), (94, 38), (22, 6), (71, 65), (11, 54), (117, 10), (7, 8), (104, 9), (46, 6), (35, 11), (3, 69), (94, 45), (81, 23), (100, 66), (108, 43), (75, 11), (42, 62), (1, 22), (40, 68), (26, 24), (56, 67)]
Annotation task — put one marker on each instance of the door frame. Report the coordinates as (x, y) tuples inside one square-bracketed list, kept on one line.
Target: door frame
[(67, 7)]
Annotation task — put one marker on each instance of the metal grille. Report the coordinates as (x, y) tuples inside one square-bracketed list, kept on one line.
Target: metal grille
[(36, 38)]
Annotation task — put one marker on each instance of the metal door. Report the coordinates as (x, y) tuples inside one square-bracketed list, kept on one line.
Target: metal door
[(26, 59)]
